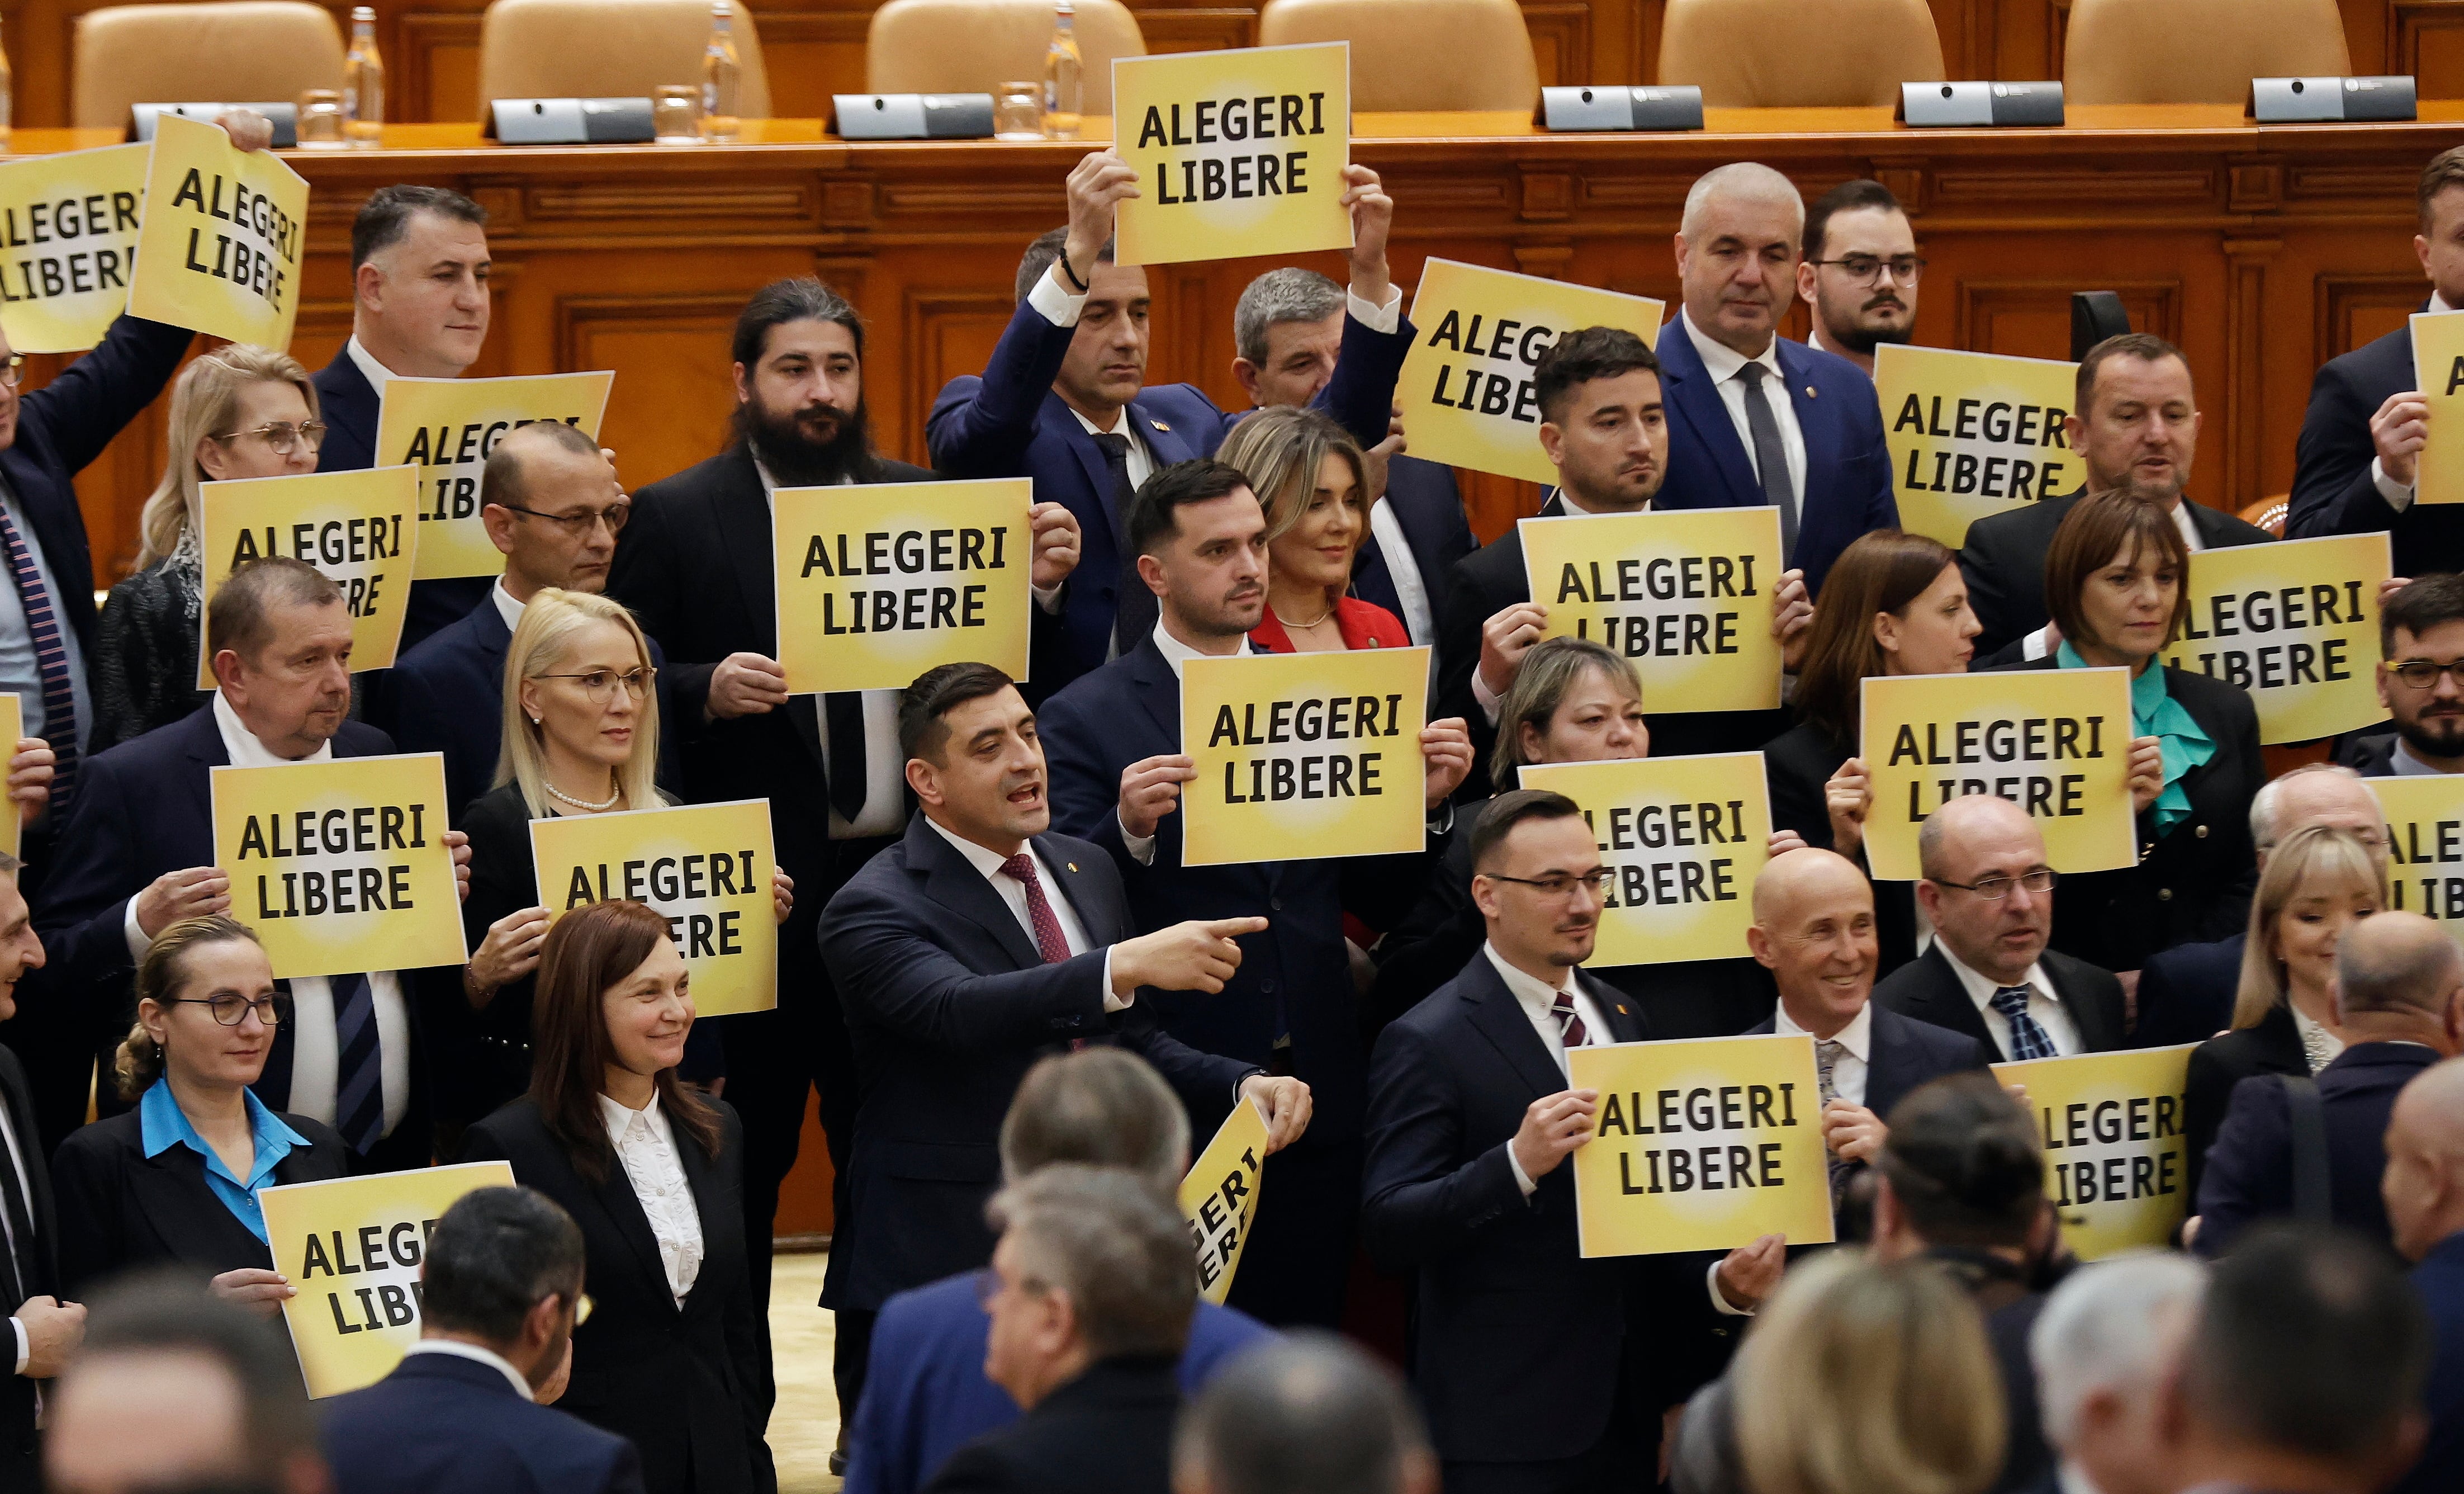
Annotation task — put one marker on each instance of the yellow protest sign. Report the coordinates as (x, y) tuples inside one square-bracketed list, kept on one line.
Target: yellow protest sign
[(1466, 390), (882, 582), (342, 866), (69, 225), (2438, 373), (446, 426), (1973, 434), (352, 1246), (1700, 1144), (2426, 845), (1238, 152), (219, 247), (705, 867), (1303, 755), (2056, 742), (1685, 838), (355, 526), (1685, 596), (2117, 1166), (2295, 624), (1220, 1198)]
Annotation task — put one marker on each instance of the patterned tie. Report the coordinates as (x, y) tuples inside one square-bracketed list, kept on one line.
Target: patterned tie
[(1570, 1023), (1049, 941), (1770, 457), (1826, 1056), (2029, 1038), (359, 1067), (50, 659), (1134, 614)]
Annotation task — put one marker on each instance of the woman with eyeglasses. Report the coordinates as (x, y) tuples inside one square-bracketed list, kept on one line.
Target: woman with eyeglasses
[(239, 412), (174, 1181)]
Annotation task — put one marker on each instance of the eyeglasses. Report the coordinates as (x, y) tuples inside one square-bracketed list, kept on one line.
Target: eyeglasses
[(579, 524), (14, 369), (599, 684), (2422, 674), (1993, 889), (1556, 884), (231, 1010), (282, 434), (1868, 269)]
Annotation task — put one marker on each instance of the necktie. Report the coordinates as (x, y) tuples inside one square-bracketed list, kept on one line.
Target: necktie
[(1770, 457), (2029, 1038), (1049, 941), (1570, 1023), (1134, 614), (51, 658), (358, 1066), (1826, 1056), (843, 717), (22, 1278)]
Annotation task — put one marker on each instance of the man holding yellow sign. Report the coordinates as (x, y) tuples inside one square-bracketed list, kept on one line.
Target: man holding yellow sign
[(1237, 153), (224, 229), (74, 217)]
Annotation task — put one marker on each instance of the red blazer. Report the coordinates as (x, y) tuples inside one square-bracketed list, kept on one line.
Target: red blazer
[(1364, 625)]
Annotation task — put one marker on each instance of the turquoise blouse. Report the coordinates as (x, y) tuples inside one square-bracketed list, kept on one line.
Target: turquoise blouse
[(2155, 713)]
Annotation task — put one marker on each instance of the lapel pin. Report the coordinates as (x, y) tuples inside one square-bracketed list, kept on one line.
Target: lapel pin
[(1158, 425), (1809, 392), (1074, 866), (1621, 1011)]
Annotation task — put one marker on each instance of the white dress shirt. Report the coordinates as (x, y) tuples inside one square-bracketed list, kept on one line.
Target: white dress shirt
[(1403, 568), (1723, 363), (16, 1160), (455, 1348), (1856, 1049), (376, 373), (1175, 654), (316, 1056), (2044, 1004), (1013, 893), (506, 607), (2399, 495), (646, 1143)]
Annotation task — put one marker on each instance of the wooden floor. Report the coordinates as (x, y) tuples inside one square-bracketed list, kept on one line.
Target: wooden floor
[(805, 1424)]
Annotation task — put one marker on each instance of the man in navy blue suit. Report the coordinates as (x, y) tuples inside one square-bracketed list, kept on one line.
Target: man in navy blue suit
[(2425, 1202), (1753, 417), (1062, 400), (466, 1408), (1287, 331), (1113, 739)]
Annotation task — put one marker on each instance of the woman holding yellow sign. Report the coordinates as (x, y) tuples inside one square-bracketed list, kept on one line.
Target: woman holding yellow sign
[(1313, 480)]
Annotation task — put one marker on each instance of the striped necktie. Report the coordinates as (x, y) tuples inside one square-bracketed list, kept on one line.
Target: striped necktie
[(358, 1064), (1570, 1023), (51, 656), (2029, 1038)]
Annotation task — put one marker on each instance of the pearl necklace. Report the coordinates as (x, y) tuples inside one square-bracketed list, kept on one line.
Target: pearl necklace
[(561, 797), (1316, 621)]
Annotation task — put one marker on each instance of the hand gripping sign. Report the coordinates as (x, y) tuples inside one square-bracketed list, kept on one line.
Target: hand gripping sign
[(1303, 755), (1238, 152), (1219, 1198), (219, 246)]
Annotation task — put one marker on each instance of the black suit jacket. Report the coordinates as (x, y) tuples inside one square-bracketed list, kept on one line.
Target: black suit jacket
[(690, 1384), (1107, 1431), (2004, 561), (2370, 754), (950, 1004), (2332, 489), (1905, 1054), (1928, 989), (2217, 1068), (38, 1273), (350, 404), (121, 1210), (2248, 1175), (2185, 994), (442, 1422), (1428, 505)]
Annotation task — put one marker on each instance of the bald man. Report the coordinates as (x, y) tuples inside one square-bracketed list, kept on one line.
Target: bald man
[(2423, 1190), (1813, 929), (2399, 1003), (1989, 892)]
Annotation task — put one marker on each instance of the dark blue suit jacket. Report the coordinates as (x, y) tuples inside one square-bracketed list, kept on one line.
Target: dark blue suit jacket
[(1905, 1055), (2185, 994), (1428, 504), (2440, 1281), (924, 1394), (442, 1422), (2249, 1175), (1847, 470), (348, 403), (2332, 491), (1009, 423)]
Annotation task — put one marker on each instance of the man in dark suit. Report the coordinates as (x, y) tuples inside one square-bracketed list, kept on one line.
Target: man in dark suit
[(2360, 449), (1989, 892), (2423, 1189), (1091, 1294), (1812, 446), (1471, 1121), (1062, 399), (419, 310), (46, 1330), (2399, 1000), (2421, 683), (965, 952), (1117, 763), (137, 854), (499, 1282), (1287, 331), (2136, 429)]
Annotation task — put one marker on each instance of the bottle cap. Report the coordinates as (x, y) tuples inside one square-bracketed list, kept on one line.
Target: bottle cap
[(364, 12)]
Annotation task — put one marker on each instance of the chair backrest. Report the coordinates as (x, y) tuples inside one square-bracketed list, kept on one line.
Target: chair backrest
[(975, 46), (2269, 513), (1757, 55), (1418, 53), (2196, 51), (222, 52), (610, 48)]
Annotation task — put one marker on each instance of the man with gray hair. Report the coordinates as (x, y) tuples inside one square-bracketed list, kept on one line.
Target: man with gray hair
[(1286, 333), (1309, 1413), (2399, 1004), (1753, 419), (2107, 1339)]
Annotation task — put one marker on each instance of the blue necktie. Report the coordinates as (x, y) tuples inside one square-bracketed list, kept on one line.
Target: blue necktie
[(359, 1067), (2029, 1038), (51, 660)]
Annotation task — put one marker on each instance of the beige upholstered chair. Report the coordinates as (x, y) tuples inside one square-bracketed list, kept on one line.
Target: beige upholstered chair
[(2196, 51), (609, 49), (973, 46), (1758, 55), (225, 52), (1418, 53)]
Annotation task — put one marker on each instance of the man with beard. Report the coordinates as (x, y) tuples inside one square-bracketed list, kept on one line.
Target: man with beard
[(2421, 683), (694, 564), (1860, 271)]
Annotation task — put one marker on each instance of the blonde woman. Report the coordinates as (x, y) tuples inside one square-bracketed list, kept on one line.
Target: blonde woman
[(240, 412), (1313, 480)]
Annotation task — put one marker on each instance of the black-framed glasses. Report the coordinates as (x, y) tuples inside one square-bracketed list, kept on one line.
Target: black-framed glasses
[(579, 524), (1556, 884), (281, 435), (599, 684), (231, 1008), (1867, 269), (2422, 674), (1993, 889), (13, 370)]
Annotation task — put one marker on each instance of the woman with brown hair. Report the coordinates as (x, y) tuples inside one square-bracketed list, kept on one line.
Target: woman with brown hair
[(1312, 479), (672, 1355)]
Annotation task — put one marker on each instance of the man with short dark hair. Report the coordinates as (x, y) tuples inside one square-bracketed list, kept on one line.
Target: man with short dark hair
[(2421, 683), (1859, 273), (1307, 1413), (500, 1285)]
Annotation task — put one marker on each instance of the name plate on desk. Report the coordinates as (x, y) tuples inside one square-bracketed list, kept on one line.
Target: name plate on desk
[(1677, 107), (285, 118), (571, 122), (2314, 101), (1981, 105), (913, 116)]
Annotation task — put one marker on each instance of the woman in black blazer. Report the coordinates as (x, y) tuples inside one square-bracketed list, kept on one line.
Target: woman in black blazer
[(2114, 580), (673, 1355), (174, 1181)]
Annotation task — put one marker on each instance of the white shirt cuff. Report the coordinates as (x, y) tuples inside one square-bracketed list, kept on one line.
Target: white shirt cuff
[(1056, 302), (1141, 848), (1387, 319), (1485, 698), (1521, 1180), (1113, 1003), (1047, 598), (1719, 1303), (23, 1353), (2037, 644), (2398, 495), (136, 936)]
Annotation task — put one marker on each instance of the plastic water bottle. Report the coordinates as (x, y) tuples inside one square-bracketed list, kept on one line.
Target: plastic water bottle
[(364, 83), (1064, 83), (7, 97), (721, 78)]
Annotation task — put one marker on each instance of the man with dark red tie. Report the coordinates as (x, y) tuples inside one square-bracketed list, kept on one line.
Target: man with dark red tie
[(975, 943)]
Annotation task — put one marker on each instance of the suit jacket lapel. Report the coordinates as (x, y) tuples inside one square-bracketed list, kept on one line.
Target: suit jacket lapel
[(1814, 422), (1946, 1003), (1158, 688), (1885, 1081), (953, 882), (741, 511), (625, 1210), (1165, 442), (707, 1202), (356, 413), (1059, 417), (1694, 398), (1622, 1014), (1501, 1018), (172, 1194), (2094, 1037), (35, 1176), (1098, 920)]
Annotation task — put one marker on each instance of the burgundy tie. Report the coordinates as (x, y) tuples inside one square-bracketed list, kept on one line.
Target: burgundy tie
[(1048, 938), (1570, 1023)]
